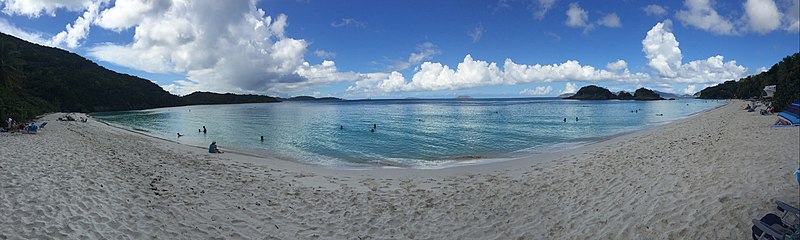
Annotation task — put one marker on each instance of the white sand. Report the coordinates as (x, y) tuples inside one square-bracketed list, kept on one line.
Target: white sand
[(701, 178)]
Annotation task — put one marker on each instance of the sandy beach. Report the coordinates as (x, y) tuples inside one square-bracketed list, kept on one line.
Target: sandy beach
[(704, 177)]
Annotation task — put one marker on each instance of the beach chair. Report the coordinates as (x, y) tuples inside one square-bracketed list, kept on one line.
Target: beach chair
[(42, 126), (32, 129), (772, 226)]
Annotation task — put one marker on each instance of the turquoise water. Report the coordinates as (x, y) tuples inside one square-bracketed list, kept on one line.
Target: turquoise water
[(409, 133)]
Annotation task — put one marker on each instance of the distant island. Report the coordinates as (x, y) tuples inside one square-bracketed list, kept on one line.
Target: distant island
[(593, 92), (310, 98), (206, 98)]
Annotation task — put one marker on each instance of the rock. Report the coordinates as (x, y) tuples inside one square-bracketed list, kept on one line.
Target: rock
[(646, 94), (624, 96), (593, 92)]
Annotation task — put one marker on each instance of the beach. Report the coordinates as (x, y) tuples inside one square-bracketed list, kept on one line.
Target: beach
[(704, 177)]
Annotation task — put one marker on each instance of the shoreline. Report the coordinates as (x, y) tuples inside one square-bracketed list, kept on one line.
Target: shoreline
[(704, 177), (449, 162)]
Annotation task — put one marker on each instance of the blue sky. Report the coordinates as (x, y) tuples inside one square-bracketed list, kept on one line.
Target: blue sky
[(398, 49)]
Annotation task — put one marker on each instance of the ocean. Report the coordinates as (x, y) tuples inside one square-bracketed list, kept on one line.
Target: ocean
[(410, 133)]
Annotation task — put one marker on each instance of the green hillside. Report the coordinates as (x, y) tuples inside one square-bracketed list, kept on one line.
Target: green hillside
[(36, 79), (785, 74)]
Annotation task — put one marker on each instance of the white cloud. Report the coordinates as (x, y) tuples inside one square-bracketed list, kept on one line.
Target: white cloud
[(35, 8), (12, 30), (655, 10), (554, 36), (617, 65), (425, 51), (761, 69), (475, 73), (576, 16), (569, 88), (476, 33), (542, 8), (348, 22), (127, 13), (324, 54), (661, 49), (74, 33), (541, 90), (700, 14), (611, 20), (79, 30), (762, 15), (231, 47), (793, 17), (690, 89)]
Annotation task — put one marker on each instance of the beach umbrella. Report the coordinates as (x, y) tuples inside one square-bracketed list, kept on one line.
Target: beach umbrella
[(770, 90), (792, 113)]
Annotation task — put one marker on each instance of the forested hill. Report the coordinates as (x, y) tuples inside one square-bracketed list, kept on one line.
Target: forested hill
[(197, 98), (785, 74), (36, 79)]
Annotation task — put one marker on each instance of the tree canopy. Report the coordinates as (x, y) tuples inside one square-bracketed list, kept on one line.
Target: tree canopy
[(784, 74)]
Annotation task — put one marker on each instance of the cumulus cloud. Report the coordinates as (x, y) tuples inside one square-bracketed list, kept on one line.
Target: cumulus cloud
[(617, 65), (793, 17), (690, 89), (476, 33), (661, 49), (324, 54), (762, 15), (475, 73), (610, 20), (78, 30), (127, 13), (664, 56), (541, 9), (231, 47), (425, 51), (35, 8), (700, 14), (660, 46), (348, 22), (541, 90), (655, 10), (576, 16), (569, 88)]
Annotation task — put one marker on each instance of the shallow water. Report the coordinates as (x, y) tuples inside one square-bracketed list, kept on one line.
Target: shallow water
[(409, 133)]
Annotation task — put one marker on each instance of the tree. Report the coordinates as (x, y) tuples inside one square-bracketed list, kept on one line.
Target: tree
[(10, 65)]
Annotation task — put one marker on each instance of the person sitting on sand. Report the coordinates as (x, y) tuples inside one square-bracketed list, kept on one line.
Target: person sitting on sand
[(213, 148)]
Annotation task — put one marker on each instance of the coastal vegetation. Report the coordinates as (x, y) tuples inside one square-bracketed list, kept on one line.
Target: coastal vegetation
[(784, 74), (36, 79)]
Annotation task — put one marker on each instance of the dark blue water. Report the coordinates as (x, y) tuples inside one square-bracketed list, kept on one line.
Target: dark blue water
[(409, 133)]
